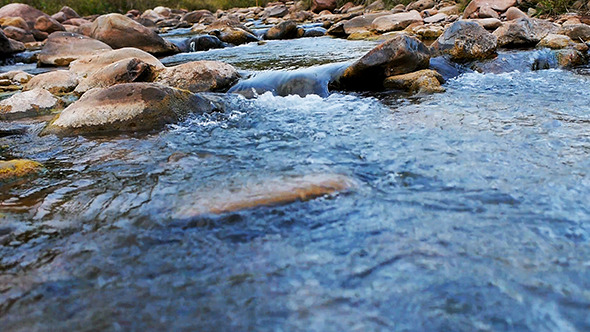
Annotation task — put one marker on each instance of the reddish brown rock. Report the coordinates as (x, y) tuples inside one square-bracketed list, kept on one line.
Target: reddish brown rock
[(62, 48), (319, 5), (28, 13), (475, 7), (48, 24), (88, 65), (119, 31)]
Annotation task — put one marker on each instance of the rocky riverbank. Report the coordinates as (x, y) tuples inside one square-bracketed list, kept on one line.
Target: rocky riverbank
[(109, 78)]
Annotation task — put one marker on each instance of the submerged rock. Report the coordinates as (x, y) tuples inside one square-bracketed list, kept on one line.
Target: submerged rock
[(90, 64), (200, 76), (203, 43), (56, 82), (126, 108), (62, 48), (123, 71), (524, 32), (422, 81), (28, 104), (120, 31), (271, 192), (399, 55), (16, 169), (465, 41)]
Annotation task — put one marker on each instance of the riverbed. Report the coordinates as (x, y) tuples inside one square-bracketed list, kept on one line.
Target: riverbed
[(469, 209)]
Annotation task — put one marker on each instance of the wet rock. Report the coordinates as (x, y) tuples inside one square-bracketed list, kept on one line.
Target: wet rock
[(578, 32), (196, 16), (200, 76), (48, 25), (555, 41), (422, 81), (421, 5), (18, 34), (475, 7), (465, 41), (62, 48), (9, 46), (90, 64), (56, 82), (123, 71), (514, 13), (283, 30), (17, 169), (395, 22), (315, 32), (27, 104), (119, 31), (235, 36), (26, 12), (320, 5), (17, 22), (524, 32), (399, 55), (271, 192), (126, 108), (203, 43), (571, 57)]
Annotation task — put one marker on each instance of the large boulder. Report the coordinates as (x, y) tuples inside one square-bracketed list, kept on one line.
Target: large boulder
[(578, 32), (48, 24), (90, 64), (283, 30), (9, 46), (235, 36), (56, 82), (18, 34), (524, 32), (477, 7), (320, 5), (200, 76), (395, 22), (399, 55), (69, 12), (120, 31), (422, 81), (203, 43), (123, 71), (27, 104), (26, 12), (62, 48), (196, 16), (465, 41), (126, 108)]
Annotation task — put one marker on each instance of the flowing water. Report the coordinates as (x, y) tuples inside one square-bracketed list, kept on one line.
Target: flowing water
[(469, 212)]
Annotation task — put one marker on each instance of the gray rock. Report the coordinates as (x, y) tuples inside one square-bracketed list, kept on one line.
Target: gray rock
[(465, 41)]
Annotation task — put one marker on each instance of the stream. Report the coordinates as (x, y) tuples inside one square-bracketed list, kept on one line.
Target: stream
[(469, 211)]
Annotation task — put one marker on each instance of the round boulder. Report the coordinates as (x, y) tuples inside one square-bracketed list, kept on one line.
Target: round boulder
[(120, 31), (283, 30), (56, 82), (200, 76), (26, 12), (320, 5), (422, 81), (62, 48), (123, 71), (126, 107), (399, 55), (48, 24), (465, 41), (27, 104), (90, 64)]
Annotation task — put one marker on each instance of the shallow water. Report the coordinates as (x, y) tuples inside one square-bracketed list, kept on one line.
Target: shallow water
[(470, 212)]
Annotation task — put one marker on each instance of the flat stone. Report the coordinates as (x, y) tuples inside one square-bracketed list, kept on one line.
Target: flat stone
[(198, 76), (28, 104), (422, 81), (90, 64), (56, 82), (396, 22), (62, 48), (436, 18)]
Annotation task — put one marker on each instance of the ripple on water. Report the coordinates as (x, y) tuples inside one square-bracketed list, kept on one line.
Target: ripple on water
[(470, 213)]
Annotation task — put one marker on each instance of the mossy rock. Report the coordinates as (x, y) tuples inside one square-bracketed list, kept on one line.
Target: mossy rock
[(13, 170)]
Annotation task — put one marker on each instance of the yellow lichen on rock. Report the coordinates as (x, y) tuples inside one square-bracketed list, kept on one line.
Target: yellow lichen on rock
[(18, 168)]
